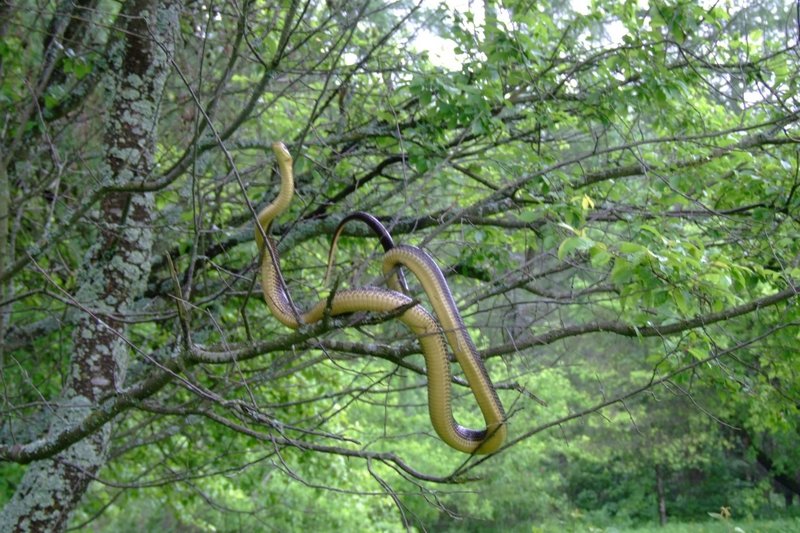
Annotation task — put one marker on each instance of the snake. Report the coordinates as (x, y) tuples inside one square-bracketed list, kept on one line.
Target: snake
[(398, 282), (434, 336)]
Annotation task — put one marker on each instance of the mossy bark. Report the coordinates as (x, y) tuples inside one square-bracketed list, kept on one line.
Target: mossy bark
[(115, 272)]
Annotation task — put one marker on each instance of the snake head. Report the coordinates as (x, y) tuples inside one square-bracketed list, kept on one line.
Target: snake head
[(281, 153)]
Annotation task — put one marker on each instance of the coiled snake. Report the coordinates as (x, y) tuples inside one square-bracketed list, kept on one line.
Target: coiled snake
[(433, 336)]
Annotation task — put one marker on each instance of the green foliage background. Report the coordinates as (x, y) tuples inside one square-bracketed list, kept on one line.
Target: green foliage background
[(617, 215)]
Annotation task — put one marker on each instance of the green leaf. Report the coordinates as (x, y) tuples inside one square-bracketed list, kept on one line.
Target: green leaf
[(569, 228), (682, 301), (622, 271), (599, 255), (698, 353), (571, 244)]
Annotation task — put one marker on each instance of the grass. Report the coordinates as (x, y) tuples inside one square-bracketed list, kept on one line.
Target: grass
[(785, 525), (778, 525)]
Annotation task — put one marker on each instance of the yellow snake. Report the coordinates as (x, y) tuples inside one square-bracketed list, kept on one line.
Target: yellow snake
[(421, 323), (397, 280)]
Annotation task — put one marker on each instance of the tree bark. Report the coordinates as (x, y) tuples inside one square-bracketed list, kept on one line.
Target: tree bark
[(115, 272), (662, 500), (788, 485)]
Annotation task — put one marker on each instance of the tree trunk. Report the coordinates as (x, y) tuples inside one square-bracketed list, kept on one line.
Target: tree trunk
[(115, 271), (662, 501)]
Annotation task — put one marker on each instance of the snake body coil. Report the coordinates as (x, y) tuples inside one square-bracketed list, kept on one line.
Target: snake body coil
[(397, 280), (431, 334)]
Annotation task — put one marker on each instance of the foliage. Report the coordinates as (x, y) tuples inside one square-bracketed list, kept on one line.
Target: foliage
[(611, 189)]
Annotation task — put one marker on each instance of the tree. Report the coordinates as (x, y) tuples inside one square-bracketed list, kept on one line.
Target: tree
[(613, 196)]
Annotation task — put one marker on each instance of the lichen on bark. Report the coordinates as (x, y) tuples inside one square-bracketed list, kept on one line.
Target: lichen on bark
[(115, 271)]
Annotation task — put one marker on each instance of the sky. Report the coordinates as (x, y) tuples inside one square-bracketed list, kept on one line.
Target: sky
[(441, 51)]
